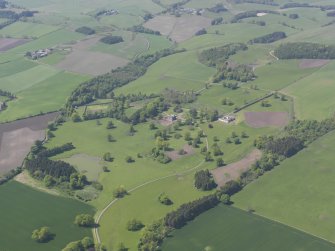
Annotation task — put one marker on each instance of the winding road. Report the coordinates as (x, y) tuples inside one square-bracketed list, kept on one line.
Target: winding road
[(97, 220)]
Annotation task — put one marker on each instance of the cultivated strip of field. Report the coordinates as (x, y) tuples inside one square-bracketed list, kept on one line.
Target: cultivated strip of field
[(17, 138), (264, 119), (234, 170), (9, 43)]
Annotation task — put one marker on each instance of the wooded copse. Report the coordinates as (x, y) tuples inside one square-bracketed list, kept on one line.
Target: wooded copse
[(305, 50), (269, 38)]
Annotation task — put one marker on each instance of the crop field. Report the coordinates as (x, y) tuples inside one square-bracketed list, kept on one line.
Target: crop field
[(228, 228), (16, 139), (307, 175), (313, 94), (27, 30), (27, 209), (47, 95), (9, 43)]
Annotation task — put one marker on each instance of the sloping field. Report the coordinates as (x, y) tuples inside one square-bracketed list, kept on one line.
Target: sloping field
[(303, 186), (313, 94), (234, 170), (24, 209), (9, 43), (26, 79), (178, 29), (228, 228), (17, 137), (25, 29), (48, 95)]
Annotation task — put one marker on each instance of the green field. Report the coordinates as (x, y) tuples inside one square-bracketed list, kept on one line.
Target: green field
[(24, 209), (228, 228), (25, 29), (303, 186), (49, 94)]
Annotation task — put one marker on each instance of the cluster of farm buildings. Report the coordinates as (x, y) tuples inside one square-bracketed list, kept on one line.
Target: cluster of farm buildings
[(39, 53)]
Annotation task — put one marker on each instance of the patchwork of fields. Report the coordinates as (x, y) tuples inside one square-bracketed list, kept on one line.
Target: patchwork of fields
[(142, 111)]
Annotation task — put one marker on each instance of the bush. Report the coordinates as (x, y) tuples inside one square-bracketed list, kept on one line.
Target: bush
[(83, 245), (84, 220), (42, 234), (108, 157), (164, 199), (111, 39), (134, 225), (120, 192), (201, 32)]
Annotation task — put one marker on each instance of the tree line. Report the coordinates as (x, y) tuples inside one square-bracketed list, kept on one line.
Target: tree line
[(251, 13), (142, 29), (102, 86), (305, 50), (46, 153)]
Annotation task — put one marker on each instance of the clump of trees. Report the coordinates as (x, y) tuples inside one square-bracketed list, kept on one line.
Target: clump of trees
[(241, 72), (46, 153), (42, 235), (293, 16), (269, 38), (82, 245), (217, 21), (305, 50), (204, 180), (84, 220), (142, 29), (251, 13), (265, 2), (215, 56), (295, 5), (201, 32), (152, 236), (111, 39), (120, 192), (85, 30), (134, 225), (217, 8)]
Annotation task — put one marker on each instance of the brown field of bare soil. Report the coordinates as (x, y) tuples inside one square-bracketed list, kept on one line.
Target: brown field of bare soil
[(265, 119), (9, 43), (17, 137), (178, 29), (175, 154), (81, 60), (234, 170), (312, 63)]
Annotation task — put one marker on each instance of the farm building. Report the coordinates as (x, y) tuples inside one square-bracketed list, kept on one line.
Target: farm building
[(227, 119), (39, 53)]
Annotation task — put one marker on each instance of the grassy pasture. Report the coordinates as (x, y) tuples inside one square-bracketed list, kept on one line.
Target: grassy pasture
[(121, 21), (313, 94), (47, 95), (26, 79), (181, 71), (303, 186), (25, 29), (15, 66), (228, 228), (26, 209)]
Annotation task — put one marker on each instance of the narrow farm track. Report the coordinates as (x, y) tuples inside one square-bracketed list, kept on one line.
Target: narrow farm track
[(97, 220), (273, 55)]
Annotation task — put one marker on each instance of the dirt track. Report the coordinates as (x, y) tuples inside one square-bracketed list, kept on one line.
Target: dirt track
[(233, 171), (265, 119), (18, 136)]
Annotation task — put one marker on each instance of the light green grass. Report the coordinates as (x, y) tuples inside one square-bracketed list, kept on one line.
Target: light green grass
[(48, 95), (181, 71), (25, 29), (14, 66), (299, 191), (121, 21), (25, 209), (313, 94), (26, 79), (228, 228)]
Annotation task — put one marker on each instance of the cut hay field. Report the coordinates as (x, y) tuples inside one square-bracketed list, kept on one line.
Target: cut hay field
[(181, 71), (303, 185), (24, 209), (228, 228)]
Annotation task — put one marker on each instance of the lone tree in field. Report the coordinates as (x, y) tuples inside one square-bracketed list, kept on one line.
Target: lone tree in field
[(120, 192), (42, 234), (110, 125), (84, 220), (134, 225), (107, 157), (164, 199)]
